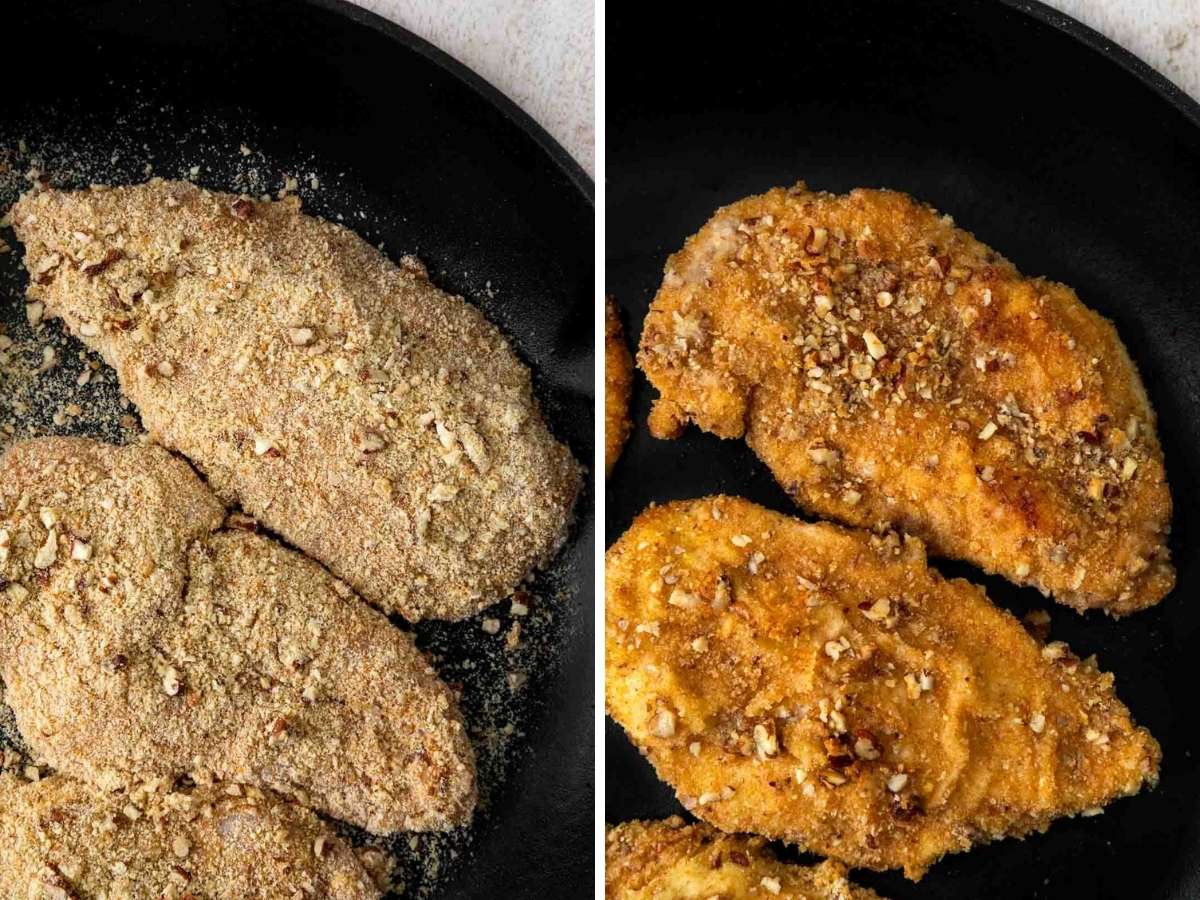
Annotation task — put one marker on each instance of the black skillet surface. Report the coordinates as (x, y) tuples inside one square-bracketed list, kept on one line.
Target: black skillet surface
[(414, 151), (1053, 146)]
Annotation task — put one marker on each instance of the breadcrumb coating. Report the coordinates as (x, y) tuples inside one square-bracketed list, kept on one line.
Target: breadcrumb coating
[(142, 635), (618, 383), (381, 426), (822, 686), (670, 860), (890, 368), (61, 839)]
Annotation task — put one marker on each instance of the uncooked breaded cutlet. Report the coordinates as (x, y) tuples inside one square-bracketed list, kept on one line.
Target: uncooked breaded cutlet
[(822, 686), (889, 368), (141, 638), (62, 839), (378, 424), (669, 860)]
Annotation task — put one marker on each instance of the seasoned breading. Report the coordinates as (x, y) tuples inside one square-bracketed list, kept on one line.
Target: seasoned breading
[(140, 638), (618, 383), (669, 860), (378, 424), (823, 686), (889, 368), (62, 839)]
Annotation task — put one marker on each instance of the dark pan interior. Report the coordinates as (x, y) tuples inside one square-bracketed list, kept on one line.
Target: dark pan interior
[(419, 155), (1050, 145)]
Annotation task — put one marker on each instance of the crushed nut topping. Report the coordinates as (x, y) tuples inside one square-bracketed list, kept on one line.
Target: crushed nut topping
[(683, 599), (875, 346), (371, 442), (864, 747), (47, 554), (887, 348), (301, 337), (765, 742), (321, 846), (664, 724)]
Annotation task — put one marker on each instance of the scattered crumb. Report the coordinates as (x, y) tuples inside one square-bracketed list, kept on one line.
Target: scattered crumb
[(501, 687)]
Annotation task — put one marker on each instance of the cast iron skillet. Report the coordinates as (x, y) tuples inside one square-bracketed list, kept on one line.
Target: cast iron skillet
[(414, 151), (1050, 144)]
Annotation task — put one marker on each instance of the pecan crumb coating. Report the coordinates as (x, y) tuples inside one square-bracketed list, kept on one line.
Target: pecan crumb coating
[(60, 839), (889, 368), (670, 860), (381, 426), (618, 383), (823, 686), (141, 637)]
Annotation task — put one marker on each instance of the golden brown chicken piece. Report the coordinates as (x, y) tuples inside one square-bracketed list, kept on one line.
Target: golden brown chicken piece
[(381, 426), (669, 860), (140, 638), (889, 368), (824, 687), (618, 383), (61, 839)]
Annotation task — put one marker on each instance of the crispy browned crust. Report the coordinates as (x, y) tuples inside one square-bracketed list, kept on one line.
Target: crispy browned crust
[(888, 367), (823, 686), (148, 640), (378, 424), (670, 860), (62, 839), (618, 383)]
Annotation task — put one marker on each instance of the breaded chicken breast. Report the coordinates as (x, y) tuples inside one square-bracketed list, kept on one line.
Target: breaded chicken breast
[(889, 368), (824, 687), (62, 839), (140, 637), (670, 860), (376, 423), (618, 383)]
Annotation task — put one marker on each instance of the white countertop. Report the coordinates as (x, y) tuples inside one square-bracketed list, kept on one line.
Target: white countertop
[(541, 52)]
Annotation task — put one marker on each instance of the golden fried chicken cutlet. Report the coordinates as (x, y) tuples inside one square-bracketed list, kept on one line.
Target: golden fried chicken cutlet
[(823, 686), (889, 368), (376, 423), (618, 383), (62, 839), (139, 638), (670, 860)]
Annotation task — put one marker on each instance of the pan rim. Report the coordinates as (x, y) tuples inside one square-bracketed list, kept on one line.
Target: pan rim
[(1110, 50), (563, 160)]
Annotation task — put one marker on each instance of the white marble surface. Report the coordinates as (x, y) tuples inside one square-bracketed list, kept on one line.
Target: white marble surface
[(540, 53)]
